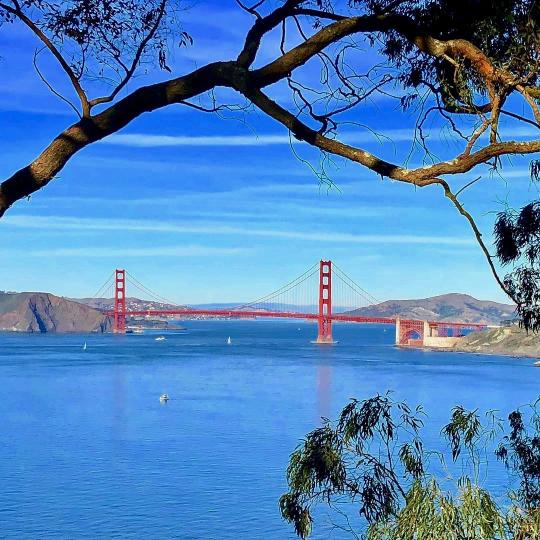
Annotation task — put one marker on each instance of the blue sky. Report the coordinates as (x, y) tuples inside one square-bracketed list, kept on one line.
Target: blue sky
[(204, 209)]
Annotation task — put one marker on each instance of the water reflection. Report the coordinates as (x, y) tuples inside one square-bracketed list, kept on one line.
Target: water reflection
[(324, 392)]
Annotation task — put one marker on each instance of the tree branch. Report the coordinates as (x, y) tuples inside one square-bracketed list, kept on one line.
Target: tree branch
[(17, 12), (421, 176), (461, 209), (49, 85), (91, 129), (261, 27), (131, 70)]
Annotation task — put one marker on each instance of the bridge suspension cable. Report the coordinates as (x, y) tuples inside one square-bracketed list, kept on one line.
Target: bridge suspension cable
[(296, 295), (353, 286), (284, 289), (108, 284), (330, 282), (153, 296)]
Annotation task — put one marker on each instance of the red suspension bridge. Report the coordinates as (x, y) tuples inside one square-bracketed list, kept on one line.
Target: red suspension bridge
[(324, 293)]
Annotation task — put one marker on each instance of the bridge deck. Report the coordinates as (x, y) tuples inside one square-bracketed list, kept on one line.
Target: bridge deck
[(250, 314)]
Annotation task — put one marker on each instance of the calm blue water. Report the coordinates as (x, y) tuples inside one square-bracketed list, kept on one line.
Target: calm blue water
[(87, 450)]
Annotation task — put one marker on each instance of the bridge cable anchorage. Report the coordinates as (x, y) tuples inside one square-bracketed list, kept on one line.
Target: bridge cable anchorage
[(282, 290)]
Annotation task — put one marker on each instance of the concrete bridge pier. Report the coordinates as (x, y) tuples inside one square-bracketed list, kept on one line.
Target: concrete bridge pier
[(410, 332), (413, 333)]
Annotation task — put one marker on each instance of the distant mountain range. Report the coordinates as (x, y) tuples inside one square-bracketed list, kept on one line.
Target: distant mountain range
[(44, 312), (447, 307)]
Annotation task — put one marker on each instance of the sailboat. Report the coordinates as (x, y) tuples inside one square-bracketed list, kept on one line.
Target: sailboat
[(84, 346), (229, 342)]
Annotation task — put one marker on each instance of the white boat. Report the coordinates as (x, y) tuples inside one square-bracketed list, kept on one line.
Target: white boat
[(160, 338), (84, 346), (229, 341), (164, 398), (537, 364)]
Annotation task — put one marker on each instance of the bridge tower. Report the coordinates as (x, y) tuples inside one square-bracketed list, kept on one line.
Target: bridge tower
[(119, 302), (325, 303)]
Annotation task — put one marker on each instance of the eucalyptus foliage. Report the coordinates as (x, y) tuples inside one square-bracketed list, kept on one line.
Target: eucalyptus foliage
[(373, 460)]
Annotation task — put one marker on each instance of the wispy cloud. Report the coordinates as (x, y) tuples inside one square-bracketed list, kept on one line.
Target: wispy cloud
[(28, 107), (231, 205), (165, 251), (212, 229), (149, 140), (152, 140), (173, 163)]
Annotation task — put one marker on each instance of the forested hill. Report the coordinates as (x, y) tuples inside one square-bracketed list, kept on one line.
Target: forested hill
[(447, 307), (44, 312)]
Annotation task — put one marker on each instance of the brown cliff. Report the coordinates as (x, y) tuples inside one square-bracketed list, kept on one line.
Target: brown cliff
[(513, 341), (44, 312)]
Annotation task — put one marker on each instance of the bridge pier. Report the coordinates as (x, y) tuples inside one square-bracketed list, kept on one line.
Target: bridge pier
[(119, 302), (411, 332), (324, 319), (433, 334)]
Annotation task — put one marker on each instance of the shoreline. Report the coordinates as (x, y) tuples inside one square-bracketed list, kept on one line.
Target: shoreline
[(483, 353)]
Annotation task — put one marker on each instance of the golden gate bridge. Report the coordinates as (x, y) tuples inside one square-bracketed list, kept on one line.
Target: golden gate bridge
[(324, 293)]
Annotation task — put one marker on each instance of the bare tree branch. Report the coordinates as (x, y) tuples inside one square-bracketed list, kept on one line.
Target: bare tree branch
[(49, 85), (16, 12), (137, 58)]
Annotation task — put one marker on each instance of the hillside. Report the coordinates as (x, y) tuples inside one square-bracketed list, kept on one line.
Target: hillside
[(506, 341), (447, 307), (132, 304), (44, 312)]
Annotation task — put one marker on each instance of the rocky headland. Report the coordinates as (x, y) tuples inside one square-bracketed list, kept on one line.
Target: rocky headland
[(44, 312), (511, 341)]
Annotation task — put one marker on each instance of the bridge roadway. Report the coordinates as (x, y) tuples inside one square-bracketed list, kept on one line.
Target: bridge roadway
[(250, 314)]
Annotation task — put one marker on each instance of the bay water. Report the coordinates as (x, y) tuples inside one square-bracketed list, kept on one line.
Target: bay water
[(87, 450)]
